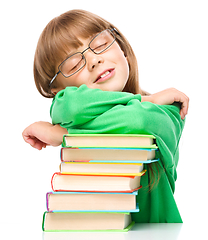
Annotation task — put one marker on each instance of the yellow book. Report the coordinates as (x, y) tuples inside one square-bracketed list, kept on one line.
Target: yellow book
[(82, 168)]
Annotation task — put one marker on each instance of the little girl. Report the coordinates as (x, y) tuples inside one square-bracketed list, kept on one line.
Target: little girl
[(90, 69)]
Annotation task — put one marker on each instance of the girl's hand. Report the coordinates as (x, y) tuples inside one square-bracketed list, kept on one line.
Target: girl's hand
[(41, 134), (170, 96)]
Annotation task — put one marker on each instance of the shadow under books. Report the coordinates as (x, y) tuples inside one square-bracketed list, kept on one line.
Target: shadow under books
[(156, 231)]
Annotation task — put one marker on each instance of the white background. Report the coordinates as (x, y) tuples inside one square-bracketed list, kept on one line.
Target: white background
[(171, 44)]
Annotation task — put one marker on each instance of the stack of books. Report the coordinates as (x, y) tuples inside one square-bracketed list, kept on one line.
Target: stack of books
[(98, 182)]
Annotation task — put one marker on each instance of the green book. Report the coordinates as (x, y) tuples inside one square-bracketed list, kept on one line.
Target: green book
[(109, 140), (86, 221)]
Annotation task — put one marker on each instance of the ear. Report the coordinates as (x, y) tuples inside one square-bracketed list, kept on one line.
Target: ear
[(55, 90)]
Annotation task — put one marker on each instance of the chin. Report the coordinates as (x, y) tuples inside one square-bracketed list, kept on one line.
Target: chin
[(109, 86)]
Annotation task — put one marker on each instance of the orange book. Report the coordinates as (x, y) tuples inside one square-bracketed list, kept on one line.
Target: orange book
[(95, 183)]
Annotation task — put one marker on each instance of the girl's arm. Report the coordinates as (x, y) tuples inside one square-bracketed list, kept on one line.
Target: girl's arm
[(74, 107), (41, 134), (169, 96)]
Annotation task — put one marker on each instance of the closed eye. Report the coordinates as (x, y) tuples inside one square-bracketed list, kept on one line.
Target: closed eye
[(100, 47)]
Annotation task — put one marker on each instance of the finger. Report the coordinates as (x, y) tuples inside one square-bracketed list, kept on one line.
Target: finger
[(184, 100), (29, 140), (39, 145), (184, 108), (35, 143), (182, 114)]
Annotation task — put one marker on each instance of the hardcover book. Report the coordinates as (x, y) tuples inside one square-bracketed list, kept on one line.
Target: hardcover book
[(91, 201), (137, 155), (93, 168), (109, 140), (90, 183), (86, 221)]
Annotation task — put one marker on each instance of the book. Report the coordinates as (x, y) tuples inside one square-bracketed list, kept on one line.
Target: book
[(93, 168), (86, 221), (109, 140), (137, 155), (94, 183), (90, 201), (97, 186)]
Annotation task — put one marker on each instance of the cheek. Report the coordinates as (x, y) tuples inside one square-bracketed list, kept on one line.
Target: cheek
[(121, 61), (124, 67), (76, 80)]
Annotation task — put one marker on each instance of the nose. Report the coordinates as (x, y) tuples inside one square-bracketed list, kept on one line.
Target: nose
[(93, 60)]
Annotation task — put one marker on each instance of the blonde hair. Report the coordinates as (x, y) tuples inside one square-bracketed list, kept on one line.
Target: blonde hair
[(62, 33)]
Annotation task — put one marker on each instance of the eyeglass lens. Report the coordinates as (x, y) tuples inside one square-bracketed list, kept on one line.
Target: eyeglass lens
[(77, 61)]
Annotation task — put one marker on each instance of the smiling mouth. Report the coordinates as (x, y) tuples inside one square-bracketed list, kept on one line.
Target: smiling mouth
[(105, 75)]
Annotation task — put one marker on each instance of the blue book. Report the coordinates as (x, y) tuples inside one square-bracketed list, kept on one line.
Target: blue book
[(109, 155), (91, 201)]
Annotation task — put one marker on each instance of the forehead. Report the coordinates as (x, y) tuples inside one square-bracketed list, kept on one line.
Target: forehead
[(70, 34)]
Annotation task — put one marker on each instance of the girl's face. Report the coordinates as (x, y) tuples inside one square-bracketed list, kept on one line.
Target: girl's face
[(108, 71)]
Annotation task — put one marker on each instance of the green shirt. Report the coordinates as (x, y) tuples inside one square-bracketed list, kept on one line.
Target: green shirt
[(84, 110)]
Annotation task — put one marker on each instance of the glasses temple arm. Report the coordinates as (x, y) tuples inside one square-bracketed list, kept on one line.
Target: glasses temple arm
[(52, 80)]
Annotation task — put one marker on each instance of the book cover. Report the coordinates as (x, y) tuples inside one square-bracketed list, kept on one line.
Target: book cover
[(96, 154), (91, 201), (98, 183), (108, 140), (93, 168), (103, 171), (86, 221)]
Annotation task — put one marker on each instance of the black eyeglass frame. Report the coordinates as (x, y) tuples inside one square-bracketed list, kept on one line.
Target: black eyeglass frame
[(83, 57)]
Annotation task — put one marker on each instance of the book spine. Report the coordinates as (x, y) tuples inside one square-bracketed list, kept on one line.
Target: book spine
[(52, 179), (97, 211), (85, 191), (105, 174), (47, 200), (109, 135), (43, 222), (128, 161), (64, 141), (61, 154), (103, 193)]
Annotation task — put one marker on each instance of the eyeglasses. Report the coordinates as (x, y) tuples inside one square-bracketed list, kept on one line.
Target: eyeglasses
[(77, 61)]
